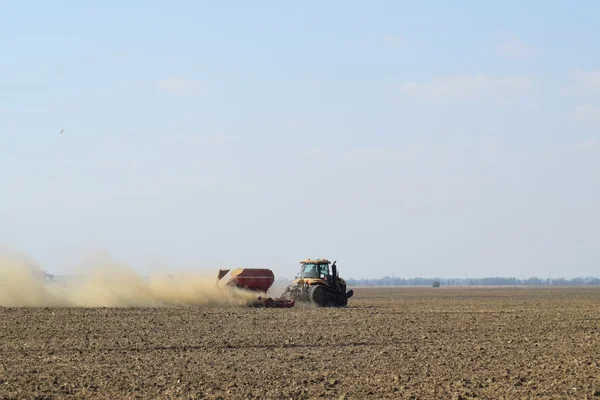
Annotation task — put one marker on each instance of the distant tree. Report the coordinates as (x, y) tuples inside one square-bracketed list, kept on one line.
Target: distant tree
[(577, 281), (533, 281), (436, 284), (590, 280)]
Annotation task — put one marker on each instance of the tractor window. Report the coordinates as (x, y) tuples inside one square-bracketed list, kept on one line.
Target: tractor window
[(324, 270), (310, 271), (315, 271)]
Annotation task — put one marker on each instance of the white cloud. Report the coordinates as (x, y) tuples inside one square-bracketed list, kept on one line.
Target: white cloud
[(512, 46), (584, 81), (27, 110), (315, 152), (408, 153), (215, 138), (590, 144), (395, 41), (463, 87), (179, 86), (588, 114)]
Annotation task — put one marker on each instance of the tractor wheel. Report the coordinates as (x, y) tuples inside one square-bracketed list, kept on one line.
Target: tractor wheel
[(342, 300), (317, 295)]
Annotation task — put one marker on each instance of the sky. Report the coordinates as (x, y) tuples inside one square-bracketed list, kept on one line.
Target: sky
[(430, 138)]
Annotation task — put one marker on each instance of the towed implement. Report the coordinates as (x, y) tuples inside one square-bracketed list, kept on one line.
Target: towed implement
[(319, 283), (257, 280)]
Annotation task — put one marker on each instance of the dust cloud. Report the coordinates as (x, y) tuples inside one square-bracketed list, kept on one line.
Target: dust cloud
[(106, 283)]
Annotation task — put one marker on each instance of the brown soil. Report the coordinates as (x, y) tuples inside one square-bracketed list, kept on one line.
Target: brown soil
[(389, 343)]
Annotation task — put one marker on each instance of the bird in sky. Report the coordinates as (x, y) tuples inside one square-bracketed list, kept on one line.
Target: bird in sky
[(62, 131)]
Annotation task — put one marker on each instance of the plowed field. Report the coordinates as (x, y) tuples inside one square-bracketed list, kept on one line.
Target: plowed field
[(389, 343)]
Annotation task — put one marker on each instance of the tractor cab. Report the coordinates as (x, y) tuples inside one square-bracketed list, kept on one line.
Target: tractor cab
[(319, 270), (314, 269)]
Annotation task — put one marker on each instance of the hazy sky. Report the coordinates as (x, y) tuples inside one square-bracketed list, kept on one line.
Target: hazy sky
[(413, 138)]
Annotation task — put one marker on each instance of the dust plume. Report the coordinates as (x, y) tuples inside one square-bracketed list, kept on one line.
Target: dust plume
[(107, 283)]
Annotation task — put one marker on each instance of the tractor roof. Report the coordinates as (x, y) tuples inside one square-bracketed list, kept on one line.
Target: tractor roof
[(318, 261)]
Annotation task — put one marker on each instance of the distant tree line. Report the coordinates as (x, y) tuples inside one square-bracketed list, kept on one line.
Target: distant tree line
[(491, 281)]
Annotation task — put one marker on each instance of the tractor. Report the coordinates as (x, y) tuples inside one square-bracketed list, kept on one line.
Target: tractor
[(319, 283)]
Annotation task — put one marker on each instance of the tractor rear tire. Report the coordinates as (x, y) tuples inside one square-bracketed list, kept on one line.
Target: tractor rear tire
[(317, 295)]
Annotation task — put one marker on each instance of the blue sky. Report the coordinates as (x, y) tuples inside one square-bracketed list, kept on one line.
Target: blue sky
[(398, 138)]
